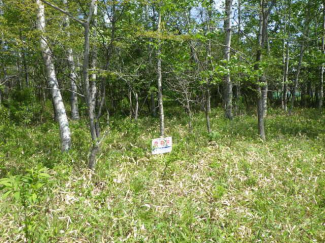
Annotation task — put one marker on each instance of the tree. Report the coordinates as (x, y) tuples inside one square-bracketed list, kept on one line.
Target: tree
[(286, 56), (89, 86), (159, 81), (227, 80), (321, 84), (305, 34), (72, 73), (262, 82), (52, 81), (209, 65)]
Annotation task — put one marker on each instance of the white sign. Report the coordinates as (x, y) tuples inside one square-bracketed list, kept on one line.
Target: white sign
[(161, 145)]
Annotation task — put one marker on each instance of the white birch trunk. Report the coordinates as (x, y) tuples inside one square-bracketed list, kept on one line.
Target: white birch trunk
[(52, 81), (160, 96), (93, 85), (295, 86), (237, 85), (321, 88), (90, 87), (285, 78), (286, 57), (301, 55), (208, 63), (73, 75), (85, 73), (227, 81), (260, 107)]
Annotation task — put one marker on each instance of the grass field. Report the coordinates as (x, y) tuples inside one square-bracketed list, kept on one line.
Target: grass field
[(228, 186)]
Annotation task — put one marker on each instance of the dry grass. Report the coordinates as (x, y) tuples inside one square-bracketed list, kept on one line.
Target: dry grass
[(234, 188)]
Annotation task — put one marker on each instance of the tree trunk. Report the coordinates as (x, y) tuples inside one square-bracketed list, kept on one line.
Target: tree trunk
[(262, 87), (302, 50), (72, 74), (101, 103), (265, 90), (189, 112), (227, 81), (309, 93), (321, 88), (260, 112), (52, 81), (136, 109), (160, 96), (93, 79), (237, 85), (237, 98), (208, 62), (24, 62), (303, 95), (93, 154), (85, 76), (130, 103), (19, 70), (286, 63), (295, 86), (285, 79), (208, 107), (153, 104), (74, 89), (92, 88)]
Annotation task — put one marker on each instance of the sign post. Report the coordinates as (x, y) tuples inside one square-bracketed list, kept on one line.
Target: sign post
[(161, 145)]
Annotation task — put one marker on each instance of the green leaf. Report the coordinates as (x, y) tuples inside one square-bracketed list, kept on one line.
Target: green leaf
[(17, 195), (34, 198), (4, 196), (6, 182)]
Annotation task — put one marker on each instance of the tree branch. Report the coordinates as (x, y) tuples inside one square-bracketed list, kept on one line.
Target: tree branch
[(63, 11)]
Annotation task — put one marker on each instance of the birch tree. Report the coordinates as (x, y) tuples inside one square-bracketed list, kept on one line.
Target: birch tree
[(262, 81), (227, 81), (52, 80), (72, 72), (286, 59), (305, 34), (209, 65), (89, 86), (159, 81), (321, 84)]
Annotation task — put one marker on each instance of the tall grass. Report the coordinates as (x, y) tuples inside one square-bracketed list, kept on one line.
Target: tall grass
[(227, 186)]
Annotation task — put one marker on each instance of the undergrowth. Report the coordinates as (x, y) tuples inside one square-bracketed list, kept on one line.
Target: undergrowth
[(227, 186)]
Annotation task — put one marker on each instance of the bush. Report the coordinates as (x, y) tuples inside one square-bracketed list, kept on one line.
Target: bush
[(23, 108)]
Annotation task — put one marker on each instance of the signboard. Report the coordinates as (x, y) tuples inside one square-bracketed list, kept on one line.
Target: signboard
[(161, 145)]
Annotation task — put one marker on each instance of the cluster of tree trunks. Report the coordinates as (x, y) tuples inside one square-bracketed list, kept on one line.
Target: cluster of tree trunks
[(230, 91)]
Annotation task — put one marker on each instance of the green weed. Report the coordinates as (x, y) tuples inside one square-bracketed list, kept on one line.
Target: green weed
[(224, 187)]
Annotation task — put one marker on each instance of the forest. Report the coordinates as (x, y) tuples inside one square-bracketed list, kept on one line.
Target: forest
[(87, 85)]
